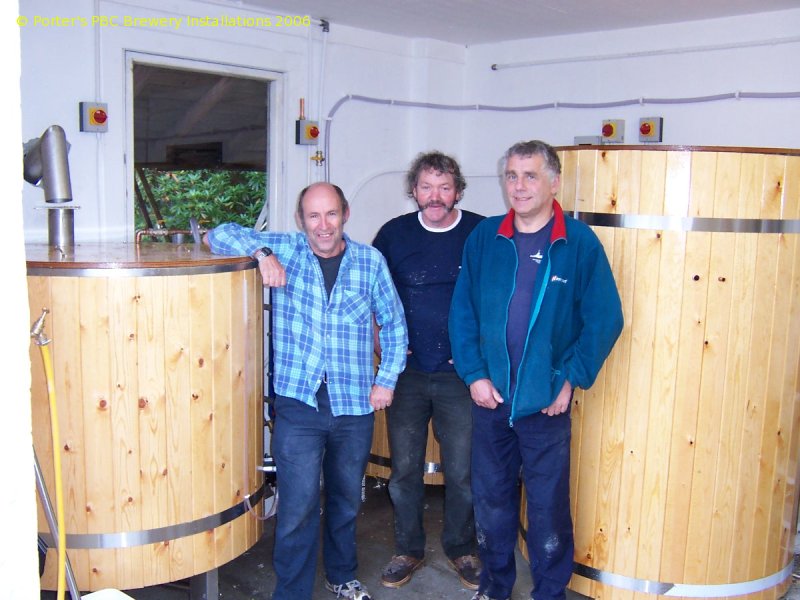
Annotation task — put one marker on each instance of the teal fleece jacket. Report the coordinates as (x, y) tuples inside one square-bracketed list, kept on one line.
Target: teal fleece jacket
[(575, 319)]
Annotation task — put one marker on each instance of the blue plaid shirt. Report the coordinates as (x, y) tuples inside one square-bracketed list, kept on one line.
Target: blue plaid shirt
[(315, 337)]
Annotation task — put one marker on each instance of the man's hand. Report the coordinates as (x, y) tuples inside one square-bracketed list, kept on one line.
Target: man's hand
[(561, 403), (485, 394), (272, 272), (380, 397)]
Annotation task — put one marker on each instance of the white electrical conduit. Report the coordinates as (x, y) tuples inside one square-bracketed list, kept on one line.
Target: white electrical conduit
[(314, 110), (307, 106), (645, 53), (322, 64), (549, 105), (321, 86)]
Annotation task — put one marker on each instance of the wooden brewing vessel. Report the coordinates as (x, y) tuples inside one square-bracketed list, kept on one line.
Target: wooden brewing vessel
[(157, 357), (685, 451)]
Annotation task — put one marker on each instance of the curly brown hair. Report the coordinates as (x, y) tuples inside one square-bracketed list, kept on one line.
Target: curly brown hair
[(434, 161)]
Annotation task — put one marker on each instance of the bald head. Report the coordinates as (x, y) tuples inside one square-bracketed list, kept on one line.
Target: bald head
[(319, 186), (322, 211)]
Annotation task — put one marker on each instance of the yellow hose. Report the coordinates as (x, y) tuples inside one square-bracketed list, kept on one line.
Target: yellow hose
[(44, 348)]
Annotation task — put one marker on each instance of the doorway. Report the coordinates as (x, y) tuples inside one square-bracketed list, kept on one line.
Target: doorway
[(200, 145)]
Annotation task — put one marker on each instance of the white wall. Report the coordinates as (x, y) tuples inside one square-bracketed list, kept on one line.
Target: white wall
[(367, 138), (361, 160), (99, 71), (669, 73), (18, 559), (371, 144)]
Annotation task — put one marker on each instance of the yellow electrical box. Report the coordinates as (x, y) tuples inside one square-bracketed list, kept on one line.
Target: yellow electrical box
[(650, 129), (306, 132), (613, 131), (93, 116)]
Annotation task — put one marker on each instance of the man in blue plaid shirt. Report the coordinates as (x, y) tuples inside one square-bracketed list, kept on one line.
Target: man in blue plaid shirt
[(328, 289)]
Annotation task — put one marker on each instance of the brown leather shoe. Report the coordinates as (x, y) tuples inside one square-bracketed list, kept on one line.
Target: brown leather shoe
[(399, 570), (468, 568)]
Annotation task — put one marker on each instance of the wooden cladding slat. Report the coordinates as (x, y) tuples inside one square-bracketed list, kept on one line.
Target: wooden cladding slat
[(159, 389)]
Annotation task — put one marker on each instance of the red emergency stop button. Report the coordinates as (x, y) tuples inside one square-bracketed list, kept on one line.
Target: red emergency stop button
[(646, 128), (98, 116), (313, 131), (608, 130)]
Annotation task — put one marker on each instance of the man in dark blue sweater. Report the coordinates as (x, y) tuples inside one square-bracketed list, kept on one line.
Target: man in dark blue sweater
[(423, 250)]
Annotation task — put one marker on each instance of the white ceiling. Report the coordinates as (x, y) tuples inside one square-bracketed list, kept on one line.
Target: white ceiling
[(469, 22)]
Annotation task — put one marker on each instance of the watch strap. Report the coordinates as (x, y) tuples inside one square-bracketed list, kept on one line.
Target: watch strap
[(262, 253)]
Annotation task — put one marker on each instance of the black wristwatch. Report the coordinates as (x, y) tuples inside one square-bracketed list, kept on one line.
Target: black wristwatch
[(262, 253)]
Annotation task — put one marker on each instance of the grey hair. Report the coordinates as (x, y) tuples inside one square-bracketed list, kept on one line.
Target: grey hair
[(535, 148)]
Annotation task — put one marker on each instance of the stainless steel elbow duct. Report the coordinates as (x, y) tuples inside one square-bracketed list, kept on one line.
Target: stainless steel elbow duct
[(45, 165)]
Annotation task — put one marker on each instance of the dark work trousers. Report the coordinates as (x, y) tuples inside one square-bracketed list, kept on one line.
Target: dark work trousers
[(538, 446), (418, 398)]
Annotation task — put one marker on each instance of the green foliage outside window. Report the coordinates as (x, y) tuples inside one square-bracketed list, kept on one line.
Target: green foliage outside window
[(211, 197)]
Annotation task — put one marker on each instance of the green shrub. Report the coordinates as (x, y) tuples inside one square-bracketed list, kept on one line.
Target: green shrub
[(212, 197)]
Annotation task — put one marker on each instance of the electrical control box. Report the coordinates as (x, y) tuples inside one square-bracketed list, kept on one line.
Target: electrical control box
[(306, 132), (93, 116), (613, 131), (588, 140), (651, 129)]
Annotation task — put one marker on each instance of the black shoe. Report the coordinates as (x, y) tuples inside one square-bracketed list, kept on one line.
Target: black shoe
[(399, 570), (468, 568)]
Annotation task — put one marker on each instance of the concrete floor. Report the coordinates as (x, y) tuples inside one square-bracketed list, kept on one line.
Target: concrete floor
[(250, 576)]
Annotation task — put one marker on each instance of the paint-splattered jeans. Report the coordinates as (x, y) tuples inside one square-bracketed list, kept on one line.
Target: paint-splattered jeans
[(538, 447), (418, 398)]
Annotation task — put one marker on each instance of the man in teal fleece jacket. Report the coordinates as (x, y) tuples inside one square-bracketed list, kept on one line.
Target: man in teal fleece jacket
[(534, 315)]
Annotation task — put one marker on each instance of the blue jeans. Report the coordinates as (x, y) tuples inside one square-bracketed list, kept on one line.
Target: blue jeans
[(306, 443), (418, 398), (540, 446)]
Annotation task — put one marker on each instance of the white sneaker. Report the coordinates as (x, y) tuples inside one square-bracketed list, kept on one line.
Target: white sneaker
[(480, 596), (351, 589)]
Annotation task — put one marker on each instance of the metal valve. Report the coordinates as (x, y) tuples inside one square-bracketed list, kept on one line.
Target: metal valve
[(318, 157)]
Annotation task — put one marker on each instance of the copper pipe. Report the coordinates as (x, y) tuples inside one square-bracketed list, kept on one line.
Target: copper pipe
[(163, 233)]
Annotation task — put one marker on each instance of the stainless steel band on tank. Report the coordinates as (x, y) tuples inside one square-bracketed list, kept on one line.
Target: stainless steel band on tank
[(685, 590), (61, 270), (127, 539), (696, 224)]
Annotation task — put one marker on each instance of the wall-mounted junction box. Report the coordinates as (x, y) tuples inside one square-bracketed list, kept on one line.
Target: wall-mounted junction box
[(306, 132), (651, 129), (93, 116), (613, 131)]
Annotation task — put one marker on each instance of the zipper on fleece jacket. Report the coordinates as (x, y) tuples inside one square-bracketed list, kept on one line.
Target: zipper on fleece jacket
[(505, 324), (536, 310)]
